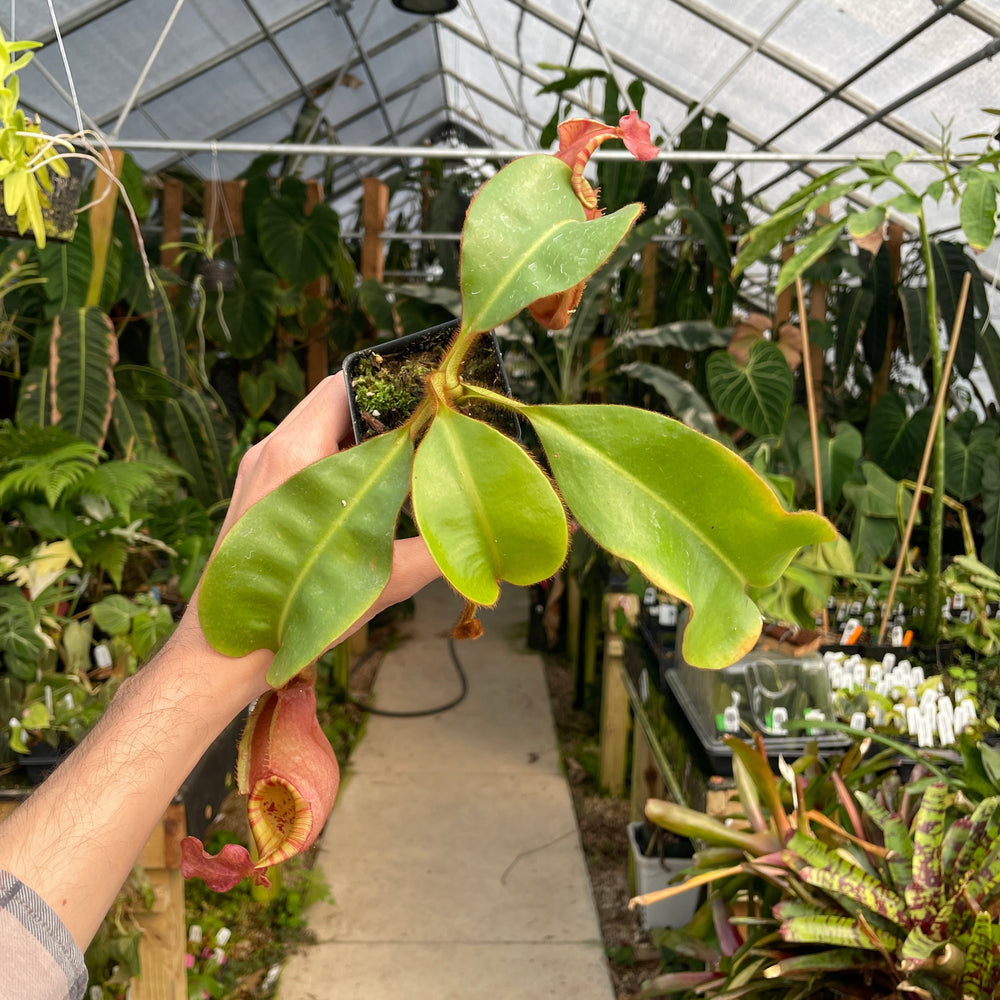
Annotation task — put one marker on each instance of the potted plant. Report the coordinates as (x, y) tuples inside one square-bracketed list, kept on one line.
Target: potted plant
[(843, 878), (648, 489)]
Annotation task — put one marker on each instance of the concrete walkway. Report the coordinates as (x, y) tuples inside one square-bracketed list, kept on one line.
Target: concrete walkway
[(453, 852)]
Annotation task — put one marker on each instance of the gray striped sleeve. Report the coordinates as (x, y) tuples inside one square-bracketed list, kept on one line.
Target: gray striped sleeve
[(38, 956)]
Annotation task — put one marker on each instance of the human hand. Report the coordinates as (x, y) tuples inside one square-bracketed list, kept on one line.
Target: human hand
[(318, 427)]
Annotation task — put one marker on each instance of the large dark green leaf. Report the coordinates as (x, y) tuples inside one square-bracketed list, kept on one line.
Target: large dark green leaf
[(201, 440), (485, 509), (306, 562), (66, 268), (988, 343), (299, 248), (34, 405), (951, 263), (990, 551), (516, 249), (166, 341), (876, 525), (688, 335), (683, 400), (918, 330), (83, 353), (694, 518), (756, 396), (856, 304), (878, 279), (895, 440), (838, 458), (964, 459), (242, 322)]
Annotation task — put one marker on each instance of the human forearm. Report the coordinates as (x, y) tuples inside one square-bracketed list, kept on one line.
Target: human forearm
[(76, 838)]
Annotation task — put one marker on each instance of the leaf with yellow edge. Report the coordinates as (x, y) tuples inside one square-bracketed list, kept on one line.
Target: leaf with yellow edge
[(695, 519)]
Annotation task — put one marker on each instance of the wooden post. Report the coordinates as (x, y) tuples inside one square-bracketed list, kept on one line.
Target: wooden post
[(783, 307), (615, 711), (373, 210), (173, 206), (102, 217), (162, 946), (317, 336), (647, 288)]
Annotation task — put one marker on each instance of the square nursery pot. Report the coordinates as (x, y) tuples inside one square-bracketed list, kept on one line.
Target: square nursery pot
[(403, 363), (655, 864)]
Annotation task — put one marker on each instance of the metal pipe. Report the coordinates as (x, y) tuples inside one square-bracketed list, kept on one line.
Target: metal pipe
[(490, 153)]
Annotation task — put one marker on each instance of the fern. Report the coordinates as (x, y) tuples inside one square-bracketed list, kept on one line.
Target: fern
[(51, 475), (121, 483)]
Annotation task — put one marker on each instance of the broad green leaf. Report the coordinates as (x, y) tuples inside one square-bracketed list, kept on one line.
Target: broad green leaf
[(485, 509), (838, 457), (684, 401), (694, 517), (756, 396), (857, 304), (964, 460), (525, 237), (197, 435), (875, 532), (34, 405), (256, 392), (298, 247), (688, 335), (951, 263), (82, 355), (978, 210), (862, 224), (895, 440), (321, 540), (242, 322), (811, 249), (990, 550), (988, 348), (918, 331), (114, 614)]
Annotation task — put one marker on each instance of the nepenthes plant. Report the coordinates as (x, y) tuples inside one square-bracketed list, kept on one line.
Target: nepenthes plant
[(309, 559)]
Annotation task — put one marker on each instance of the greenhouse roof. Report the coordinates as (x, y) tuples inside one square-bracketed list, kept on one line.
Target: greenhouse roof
[(206, 84)]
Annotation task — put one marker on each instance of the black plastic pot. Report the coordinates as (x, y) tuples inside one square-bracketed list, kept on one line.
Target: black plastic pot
[(483, 367)]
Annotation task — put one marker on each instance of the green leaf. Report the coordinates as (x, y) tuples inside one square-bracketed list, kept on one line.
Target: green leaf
[(242, 322), (299, 248), (918, 329), (895, 440), (964, 460), (857, 304), (811, 249), (525, 237), (688, 335), (83, 353), (988, 349), (485, 509), (683, 400), (114, 614), (756, 396), (951, 263), (257, 392), (978, 210), (323, 539), (838, 457), (990, 549), (694, 518)]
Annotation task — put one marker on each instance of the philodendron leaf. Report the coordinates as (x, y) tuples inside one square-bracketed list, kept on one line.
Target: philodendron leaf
[(756, 395), (692, 516), (485, 509), (303, 564), (526, 236)]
